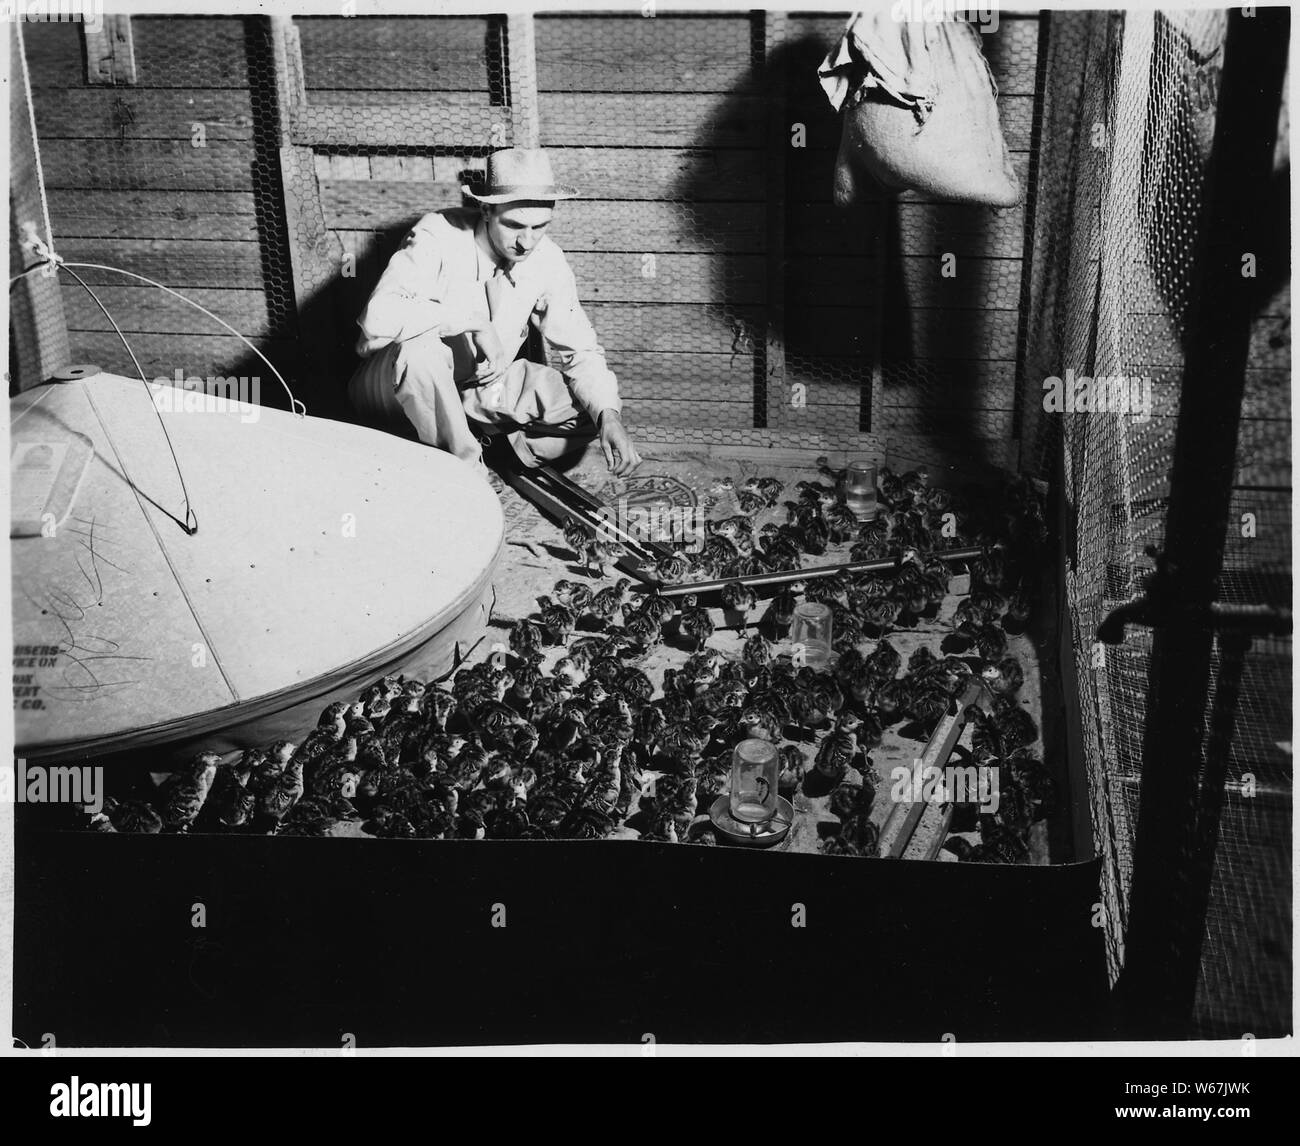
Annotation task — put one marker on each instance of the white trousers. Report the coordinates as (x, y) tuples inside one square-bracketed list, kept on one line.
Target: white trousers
[(411, 385)]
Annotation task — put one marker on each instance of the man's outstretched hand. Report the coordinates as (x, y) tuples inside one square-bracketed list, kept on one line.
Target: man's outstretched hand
[(620, 453), (492, 361)]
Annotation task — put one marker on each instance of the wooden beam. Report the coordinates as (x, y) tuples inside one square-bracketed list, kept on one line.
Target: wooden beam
[(521, 57), (110, 51), (36, 318), (906, 814), (772, 400), (871, 405), (430, 123), (163, 113), (315, 253)]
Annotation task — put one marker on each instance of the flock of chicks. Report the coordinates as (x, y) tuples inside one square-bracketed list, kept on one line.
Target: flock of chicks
[(587, 749)]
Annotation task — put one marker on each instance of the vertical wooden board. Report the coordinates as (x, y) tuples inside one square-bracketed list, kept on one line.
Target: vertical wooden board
[(880, 251), (315, 253), (110, 51), (770, 384), (521, 54), (36, 315), (169, 52)]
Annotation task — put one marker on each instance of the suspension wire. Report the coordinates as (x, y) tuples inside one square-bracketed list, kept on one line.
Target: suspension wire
[(298, 407), (190, 516), (36, 142), (296, 404), (43, 246)]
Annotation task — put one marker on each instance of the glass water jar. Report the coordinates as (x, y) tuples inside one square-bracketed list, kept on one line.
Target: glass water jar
[(755, 766), (810, 634), (859, 489)]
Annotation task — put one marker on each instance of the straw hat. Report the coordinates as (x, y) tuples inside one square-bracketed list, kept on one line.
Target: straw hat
[(520, 173)]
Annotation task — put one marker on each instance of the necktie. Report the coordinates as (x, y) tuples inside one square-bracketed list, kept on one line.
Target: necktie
[(497, 287)]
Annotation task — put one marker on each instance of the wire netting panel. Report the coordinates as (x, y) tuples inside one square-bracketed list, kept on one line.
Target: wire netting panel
[(269, 167), (1128, 120), (654, 118), (166, 165)]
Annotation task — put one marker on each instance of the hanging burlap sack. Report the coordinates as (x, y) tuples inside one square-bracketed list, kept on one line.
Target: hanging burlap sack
[(920, 112)]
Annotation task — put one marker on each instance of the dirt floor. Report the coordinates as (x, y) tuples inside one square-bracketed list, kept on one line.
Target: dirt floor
[(536, 556)]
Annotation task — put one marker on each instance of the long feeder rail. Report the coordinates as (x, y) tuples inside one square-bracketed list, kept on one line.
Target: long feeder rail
[(567, 500), (905, 816)]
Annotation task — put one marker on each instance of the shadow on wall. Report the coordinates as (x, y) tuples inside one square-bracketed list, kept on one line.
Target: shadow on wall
[(818, 270), (844, 310), (861, 284)]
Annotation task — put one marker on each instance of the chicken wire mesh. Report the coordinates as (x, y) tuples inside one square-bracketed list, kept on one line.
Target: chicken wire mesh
[(1128, 119), (269, 167), (167, 169)]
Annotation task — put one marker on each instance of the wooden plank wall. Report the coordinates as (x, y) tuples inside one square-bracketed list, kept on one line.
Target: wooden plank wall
[(948, 355), (965, 339), (37, 324), (663, 124), (657, 122), (401, 112), (129, 187)]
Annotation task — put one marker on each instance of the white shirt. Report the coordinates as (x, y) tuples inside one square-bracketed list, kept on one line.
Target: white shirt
[(438, 280)]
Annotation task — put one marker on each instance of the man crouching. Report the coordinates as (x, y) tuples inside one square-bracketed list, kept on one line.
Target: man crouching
[(440, 334)]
